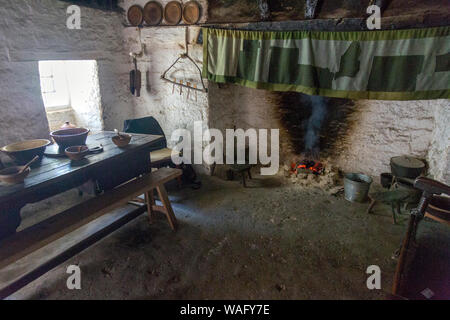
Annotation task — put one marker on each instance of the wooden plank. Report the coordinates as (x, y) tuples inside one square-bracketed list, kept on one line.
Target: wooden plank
[(103, 5), (43, 233), (106, 225)]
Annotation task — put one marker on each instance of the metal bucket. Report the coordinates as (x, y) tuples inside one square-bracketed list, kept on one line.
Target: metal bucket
[(356, 186)]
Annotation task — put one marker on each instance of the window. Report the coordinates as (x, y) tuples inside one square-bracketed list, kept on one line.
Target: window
[(54, 84), (71, 92)]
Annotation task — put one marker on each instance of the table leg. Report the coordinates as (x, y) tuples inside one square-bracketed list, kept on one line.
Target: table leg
[(9, 222)]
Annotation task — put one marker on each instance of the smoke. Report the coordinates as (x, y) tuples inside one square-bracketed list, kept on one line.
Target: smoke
[(314, 125)]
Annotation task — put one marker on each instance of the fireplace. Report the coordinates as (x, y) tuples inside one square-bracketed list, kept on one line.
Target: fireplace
[(355, 136), (314, 125)]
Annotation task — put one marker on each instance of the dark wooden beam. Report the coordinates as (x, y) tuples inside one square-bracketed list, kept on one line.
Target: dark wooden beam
[(347, 24), (264, 10), (312, 8), (104, 5), (381, 3)]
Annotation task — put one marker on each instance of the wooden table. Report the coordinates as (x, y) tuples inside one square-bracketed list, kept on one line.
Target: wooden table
[(110, 168)]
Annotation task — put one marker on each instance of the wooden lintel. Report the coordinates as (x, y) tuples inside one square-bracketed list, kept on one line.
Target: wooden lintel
[(312, 8)]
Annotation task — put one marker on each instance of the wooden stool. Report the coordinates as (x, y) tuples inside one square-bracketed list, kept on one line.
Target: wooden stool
[(242, 169), (393, 197)]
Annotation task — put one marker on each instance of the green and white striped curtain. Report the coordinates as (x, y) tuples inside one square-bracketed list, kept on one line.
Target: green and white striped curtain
[(387, 65)]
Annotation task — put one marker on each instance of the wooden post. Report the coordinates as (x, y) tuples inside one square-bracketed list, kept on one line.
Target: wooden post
[(381, 3), (312, 8), (264, 10)]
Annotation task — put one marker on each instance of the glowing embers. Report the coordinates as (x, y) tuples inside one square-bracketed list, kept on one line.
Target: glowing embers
[(307, 166)]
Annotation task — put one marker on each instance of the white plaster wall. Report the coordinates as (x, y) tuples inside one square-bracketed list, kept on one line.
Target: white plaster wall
[(85, 98), (158, 98), (379, 130), (439, 155), (383, 129), (33, 30)]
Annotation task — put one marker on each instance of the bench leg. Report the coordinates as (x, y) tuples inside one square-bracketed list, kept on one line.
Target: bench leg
[(150, 201), (372, 204), (163, 197), (179, 181)]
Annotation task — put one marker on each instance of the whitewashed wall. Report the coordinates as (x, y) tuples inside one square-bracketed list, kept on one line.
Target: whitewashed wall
[(33, 30), (439, 155), (162, 46), (85, 96), (159, 98), (380, 130), (383, 129)]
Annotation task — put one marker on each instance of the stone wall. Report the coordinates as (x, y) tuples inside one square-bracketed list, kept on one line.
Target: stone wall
[(439, 155), (33, 30), (85, 96), (383, 129), (380, 129), (162, 46)]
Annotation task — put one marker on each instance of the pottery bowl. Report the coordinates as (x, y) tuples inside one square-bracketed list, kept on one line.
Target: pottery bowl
[(24, 151), (76, 153), (70, 137), (121, 141), (11, 175)]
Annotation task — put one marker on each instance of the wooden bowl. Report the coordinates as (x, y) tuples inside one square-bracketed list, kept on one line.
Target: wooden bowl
[(191, 12), (22, 152), (153, 13), (135, 15), (70, 137), (76, 153), (173, 12), (122, 141), (11, 175)]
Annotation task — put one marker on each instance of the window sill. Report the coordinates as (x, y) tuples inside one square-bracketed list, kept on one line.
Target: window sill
[(58, 109)]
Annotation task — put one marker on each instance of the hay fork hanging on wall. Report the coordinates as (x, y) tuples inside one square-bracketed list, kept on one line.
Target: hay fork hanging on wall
[(181, 83)]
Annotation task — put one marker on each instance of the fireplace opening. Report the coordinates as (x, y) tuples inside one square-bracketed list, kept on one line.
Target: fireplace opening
[(308, 166), (314, 124)]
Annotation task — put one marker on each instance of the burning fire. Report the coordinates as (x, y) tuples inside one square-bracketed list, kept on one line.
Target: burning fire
[(305, 165)]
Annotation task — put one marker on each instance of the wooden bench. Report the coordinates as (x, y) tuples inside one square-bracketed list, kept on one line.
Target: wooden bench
[(43, 233)]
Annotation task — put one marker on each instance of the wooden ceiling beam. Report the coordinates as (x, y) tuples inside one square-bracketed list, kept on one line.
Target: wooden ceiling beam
[(104, 5)]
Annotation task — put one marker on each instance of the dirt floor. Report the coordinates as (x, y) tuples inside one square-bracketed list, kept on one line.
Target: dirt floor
[(273, 240)]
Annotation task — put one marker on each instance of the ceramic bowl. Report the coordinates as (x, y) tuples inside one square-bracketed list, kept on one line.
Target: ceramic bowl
[(76, 153), (122, 141), (11, 175), (70, 137), (24, 151)]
